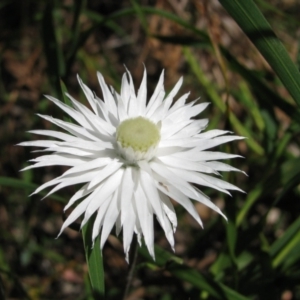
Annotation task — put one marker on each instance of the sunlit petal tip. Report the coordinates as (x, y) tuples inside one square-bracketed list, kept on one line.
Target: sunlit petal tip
[(125, 143), (44, 197)]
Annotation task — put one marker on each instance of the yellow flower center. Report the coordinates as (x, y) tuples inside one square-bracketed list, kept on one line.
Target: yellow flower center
[(139, 133), (137, 139)]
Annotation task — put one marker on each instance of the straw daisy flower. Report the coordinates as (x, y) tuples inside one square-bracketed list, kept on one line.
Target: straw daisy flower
[(131, 157)]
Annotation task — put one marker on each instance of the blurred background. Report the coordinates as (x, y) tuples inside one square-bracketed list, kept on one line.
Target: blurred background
[(256, 254)]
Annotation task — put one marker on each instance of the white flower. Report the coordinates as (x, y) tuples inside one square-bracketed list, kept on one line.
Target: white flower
[(133, 157)]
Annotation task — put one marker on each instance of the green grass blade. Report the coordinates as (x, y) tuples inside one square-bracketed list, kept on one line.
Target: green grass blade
[(173, 264), (94, 260), (265, 94), (67, 101), (215, 98), (53, 52), (254, 24), (21, 184), (282, 248), (244, 95), (140, 15)]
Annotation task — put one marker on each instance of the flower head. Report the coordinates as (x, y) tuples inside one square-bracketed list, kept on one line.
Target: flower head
[(132, 157)]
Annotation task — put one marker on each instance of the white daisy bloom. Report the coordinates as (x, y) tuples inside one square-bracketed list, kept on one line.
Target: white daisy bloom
[(132, 157)]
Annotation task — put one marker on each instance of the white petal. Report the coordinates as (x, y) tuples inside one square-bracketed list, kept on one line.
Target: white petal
[(104, 173), (40, 143), (110, 219), (145, 217), (118, 225), (84, 175), (179, 103), (128, 228), (183, 200), (150, 190), (122, 111), (88, 94), (187, 165), (132, 105), (206, 180), (47, 163), (212, 134), (72, 128), (169, 209), (79, 194), (165, 151), (142, 95), (168, 231), (78, 117), (170, 129), (99, 219), (157, 114), (90, 165), (99, 125), (45, 185), (60, 158), (95, 196), (107, 96), (125, 91), (156, 99), (219, 166), (169, 99), (89, 145), (200, 144), (64, 181), (77, 212), (195, 155), (190, 130), (106, 190), (70, 151), (56, 134), (127, 186), (206, 144), (169, 177)]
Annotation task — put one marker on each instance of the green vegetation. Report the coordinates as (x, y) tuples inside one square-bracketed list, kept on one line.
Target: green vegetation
[(243, 57)]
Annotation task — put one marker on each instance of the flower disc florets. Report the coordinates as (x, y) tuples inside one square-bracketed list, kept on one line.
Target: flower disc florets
[(137, 139)]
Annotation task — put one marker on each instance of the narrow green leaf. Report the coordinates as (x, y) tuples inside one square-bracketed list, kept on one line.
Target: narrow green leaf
[(281, 247), (101, 20), (213, 95), (21, 184), (53, 52), (94, 260), (140, 15), (231, 236), (64, 91), (285, 16), (291, 183), (254, 24), (67, 101), (266, 95), (245, 96), (79, 6), (169, 262), (219, 266), (251, 199)]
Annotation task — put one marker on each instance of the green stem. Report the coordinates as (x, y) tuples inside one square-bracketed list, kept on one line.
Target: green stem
[(132, 258), (94, 260)]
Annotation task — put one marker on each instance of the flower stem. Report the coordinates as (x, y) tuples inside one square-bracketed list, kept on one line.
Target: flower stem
[(132, 258)]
